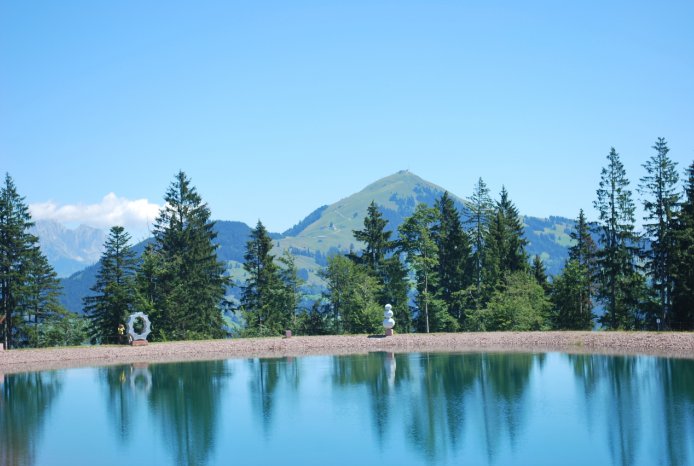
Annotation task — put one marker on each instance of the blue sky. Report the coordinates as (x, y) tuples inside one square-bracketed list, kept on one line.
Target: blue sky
[(275, 108)]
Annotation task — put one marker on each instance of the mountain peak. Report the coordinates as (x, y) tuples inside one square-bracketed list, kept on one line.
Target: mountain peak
[(396, 195)]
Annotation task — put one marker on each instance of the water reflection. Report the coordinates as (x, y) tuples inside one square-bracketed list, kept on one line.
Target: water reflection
[(481, 392), (265, 377), (182, 398), (385, 408), (24, 404), (648, 405)]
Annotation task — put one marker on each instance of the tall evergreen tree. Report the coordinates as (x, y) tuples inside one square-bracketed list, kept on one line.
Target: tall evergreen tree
[(538, 271), (661, 204), (389, 271), (16, 251), (481, 210), (454, 255), (190, 281), (572, 290), (375, 237), (584, 249), (620, 285), (683, 263), (40, 303), (505, 243), (114, 293), (258, 298)]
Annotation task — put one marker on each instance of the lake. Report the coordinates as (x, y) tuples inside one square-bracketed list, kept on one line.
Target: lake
[(376, 408)]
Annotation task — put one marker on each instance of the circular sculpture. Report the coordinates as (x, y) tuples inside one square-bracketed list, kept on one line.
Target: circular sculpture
[(388, 322), (131, 323)]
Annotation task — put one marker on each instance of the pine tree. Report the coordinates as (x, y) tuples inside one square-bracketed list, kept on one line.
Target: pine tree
[(661, 205), (259, 295), (537, 269), (389, 271), (40, 303), (114, 293), (584, 249), (620, 285), (573, 289), (190, 284), (481, 210), (375, 237), (454, 255), (16, 246), (683, 261), (504, 243)]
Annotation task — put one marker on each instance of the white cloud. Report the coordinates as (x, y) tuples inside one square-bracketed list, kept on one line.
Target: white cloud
[(135, 215)]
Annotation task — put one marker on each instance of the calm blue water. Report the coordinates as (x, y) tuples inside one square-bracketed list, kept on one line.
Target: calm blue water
[(470, 409)]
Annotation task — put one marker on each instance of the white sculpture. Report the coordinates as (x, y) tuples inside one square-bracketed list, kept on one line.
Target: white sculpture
[(131, 323), (388, 322)]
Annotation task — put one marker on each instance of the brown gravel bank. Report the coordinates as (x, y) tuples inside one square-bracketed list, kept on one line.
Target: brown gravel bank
[(661, 344)]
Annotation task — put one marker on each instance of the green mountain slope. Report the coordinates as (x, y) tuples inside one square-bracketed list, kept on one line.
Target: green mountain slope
[(330, 231), (396, 195)]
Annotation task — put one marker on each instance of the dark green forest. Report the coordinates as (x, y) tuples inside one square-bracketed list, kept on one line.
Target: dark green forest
[(447, 267)]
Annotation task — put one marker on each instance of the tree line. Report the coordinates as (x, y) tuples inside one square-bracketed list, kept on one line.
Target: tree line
[(453, 271), (443, 270)]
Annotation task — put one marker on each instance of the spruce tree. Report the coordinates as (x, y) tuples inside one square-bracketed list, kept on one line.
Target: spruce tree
[(661, 205), (504, 243), (375, 238), (481, 210), (620, 287), (40, 303), (583, 249), (454, 255), (389, 271), (538, 271), (16, 251), (114, 293), (190, 284), (573, 289), (683, 263), (270, 296)]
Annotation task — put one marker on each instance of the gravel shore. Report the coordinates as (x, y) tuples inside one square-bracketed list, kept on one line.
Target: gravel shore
[(679, 345)]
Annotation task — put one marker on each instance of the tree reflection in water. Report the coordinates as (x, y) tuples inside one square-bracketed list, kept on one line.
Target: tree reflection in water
[(185, 399), (25, 401), (266, 375), (621, 390)]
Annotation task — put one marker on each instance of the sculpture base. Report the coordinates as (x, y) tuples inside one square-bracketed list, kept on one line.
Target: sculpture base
[(138, 343), (389, 332)]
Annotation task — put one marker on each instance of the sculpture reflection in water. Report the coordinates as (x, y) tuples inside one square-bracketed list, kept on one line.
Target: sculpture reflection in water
[(183, 397), (25, 400)]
